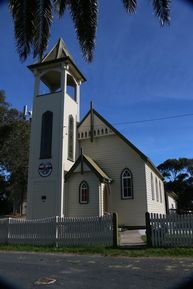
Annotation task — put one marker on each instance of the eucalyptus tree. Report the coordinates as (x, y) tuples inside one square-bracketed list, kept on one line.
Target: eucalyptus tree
[(14, 150), (178, 176), (33, 19)]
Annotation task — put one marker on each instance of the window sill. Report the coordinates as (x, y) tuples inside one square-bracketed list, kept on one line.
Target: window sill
[(83, 203), (127, 198)]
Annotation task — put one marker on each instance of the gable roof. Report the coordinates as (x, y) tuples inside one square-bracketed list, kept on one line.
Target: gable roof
[(103, 177), (142, 155), (172, 194)]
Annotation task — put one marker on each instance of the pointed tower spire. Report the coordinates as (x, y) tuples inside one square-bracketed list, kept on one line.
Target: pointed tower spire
[(59, 50), (57, 55)]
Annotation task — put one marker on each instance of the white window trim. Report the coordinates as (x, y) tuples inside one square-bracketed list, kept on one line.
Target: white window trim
[(122, 184)]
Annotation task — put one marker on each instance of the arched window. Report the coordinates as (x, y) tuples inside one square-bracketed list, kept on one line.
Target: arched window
[(126, 184), (152, 188), (71, 88), (71, 138), (83, 193), (46, 135)]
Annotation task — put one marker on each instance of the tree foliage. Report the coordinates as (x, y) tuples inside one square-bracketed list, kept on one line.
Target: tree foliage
[(14, 147), (33, 19), (178, 174)]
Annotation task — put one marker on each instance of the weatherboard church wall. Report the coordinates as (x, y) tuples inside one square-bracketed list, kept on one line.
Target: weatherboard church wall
[(113, 155), (157, 203), (74, 208)]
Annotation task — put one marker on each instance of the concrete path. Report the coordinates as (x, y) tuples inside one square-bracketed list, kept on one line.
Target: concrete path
[(131, 238)]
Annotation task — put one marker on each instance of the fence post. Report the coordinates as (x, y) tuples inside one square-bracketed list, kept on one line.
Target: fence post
[(148, 229), (56, 231), (115, 229), (8, 230)]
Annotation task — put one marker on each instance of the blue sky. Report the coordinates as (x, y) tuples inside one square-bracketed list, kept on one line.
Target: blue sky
[(140, 71)]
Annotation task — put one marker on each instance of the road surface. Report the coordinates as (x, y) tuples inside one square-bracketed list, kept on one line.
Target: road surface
[(93, 272)]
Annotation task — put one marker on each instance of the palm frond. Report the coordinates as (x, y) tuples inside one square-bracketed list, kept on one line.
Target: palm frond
[(23, 15), (84, 15), (130, 5), (60, 6), (162, 10), (42, 22)]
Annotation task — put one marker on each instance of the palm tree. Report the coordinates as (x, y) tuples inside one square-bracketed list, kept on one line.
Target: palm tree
[(33, 18)]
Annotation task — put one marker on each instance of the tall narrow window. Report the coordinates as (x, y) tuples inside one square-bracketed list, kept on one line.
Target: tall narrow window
[(160, 191), (126, 184), (157, 193), (83, 193), (71, 138), (46, 135), (152, 188)]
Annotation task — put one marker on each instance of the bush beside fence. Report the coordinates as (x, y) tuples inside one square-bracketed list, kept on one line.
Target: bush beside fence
[(60, 231), (169, 230)]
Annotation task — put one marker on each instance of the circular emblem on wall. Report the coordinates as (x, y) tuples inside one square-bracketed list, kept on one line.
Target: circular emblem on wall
[(45, 169)]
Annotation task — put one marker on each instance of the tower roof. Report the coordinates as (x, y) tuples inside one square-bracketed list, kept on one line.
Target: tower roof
[(59, 53), (60, 50)]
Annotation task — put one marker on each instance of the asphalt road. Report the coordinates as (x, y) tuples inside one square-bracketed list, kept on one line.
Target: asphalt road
[(93, 272)]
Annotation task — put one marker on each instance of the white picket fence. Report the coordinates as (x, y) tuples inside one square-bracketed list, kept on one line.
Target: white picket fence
[(171, 230), (59, 231)]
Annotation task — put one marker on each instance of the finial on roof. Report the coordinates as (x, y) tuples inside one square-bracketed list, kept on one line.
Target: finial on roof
[(91, 105), (91, 122), (81, 164)]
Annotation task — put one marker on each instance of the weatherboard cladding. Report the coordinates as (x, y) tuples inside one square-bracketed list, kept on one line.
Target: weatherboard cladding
[(154, 206), (143, 156), (74, 208), (113, 155)]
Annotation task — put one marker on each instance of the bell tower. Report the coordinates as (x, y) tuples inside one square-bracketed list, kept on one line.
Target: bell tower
[(53, 142)]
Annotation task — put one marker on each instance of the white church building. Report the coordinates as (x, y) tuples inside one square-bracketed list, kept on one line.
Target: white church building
[(83, 168)]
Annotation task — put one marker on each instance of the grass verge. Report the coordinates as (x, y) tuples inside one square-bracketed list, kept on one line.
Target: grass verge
[(146, 252)]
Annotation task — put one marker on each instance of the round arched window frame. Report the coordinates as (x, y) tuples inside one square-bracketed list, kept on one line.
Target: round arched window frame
[(83, 193), (126, 184)]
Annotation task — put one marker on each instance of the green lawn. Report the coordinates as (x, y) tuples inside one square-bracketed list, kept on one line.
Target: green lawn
[(146, 252)]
